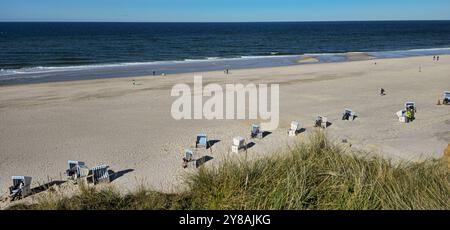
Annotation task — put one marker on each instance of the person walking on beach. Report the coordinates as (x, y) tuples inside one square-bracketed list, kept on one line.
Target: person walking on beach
[(408, 116), (382, 92), (434, 58), (437, 58)]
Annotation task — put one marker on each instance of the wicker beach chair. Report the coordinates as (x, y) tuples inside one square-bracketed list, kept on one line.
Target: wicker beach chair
[(202, 141), (99, 174), (238, 145), (321, 122), (347, 114), (294, 129), (21, 187), (74, 170), (256, 132), (446, 100), (188, 157)]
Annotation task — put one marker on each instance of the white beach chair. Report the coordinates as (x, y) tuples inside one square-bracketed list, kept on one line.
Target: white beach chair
[(99, 174), (347, 114), (322, 122), (295, 128), (188, 157), (238, 145), (401, 116), (446, 99), (256, 132), (202, 141), (410, 104), (318, 121), (74, 170), (21, 187)]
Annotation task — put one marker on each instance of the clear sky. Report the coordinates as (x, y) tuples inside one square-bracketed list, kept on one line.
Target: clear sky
[(222, 10)]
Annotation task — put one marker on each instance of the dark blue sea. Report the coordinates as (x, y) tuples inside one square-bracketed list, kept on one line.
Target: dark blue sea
[(43, 52)]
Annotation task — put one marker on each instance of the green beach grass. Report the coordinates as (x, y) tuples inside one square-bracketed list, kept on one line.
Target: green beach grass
[(317, 174)]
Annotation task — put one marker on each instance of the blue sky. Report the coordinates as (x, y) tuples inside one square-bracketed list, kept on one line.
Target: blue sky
[(222, 10)]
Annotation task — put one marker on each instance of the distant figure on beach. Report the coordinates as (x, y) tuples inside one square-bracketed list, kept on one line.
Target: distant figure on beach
[(382, 92), (226, 71), (154, 73), (420, 68), (437, 58), (408, 116), (434, 58), (134, 82), (163, 74)]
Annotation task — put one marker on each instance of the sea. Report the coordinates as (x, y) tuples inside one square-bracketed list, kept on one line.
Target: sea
[(34, 52)]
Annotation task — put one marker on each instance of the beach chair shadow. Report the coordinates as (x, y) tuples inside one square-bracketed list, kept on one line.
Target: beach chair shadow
[(250, 145), (115, 175), (211, 143), (201, 161), (266, 133), (300, 131), (328, 124), (45, 187)]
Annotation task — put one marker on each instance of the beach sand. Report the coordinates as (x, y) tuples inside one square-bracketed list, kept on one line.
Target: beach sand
[(130, 128)]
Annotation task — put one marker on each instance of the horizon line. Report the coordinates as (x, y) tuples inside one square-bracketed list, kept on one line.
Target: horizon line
[(281, 21)]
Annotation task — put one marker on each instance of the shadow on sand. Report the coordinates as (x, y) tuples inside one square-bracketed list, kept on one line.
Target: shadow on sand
[(265, 134), (201, 161), (115, 175), (300, 131), (250, 145), (211, 143)]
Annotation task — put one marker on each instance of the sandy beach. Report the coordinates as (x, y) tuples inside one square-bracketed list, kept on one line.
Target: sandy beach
[(130, 127)]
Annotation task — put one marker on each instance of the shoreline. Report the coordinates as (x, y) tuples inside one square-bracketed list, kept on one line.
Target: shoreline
[(127, 70), (128, 126)]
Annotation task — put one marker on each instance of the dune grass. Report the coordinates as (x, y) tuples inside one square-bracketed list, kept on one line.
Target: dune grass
[(314, 175)]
